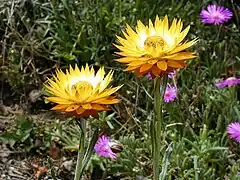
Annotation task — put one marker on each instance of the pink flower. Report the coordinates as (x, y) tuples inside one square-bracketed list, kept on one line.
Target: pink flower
[(103, 147), (215, 14), (172, 74), (228, 82), (149, 76), (170, 93), (233, 130)]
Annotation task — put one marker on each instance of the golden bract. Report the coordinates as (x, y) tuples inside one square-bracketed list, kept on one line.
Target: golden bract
[(81, 92), (155, 48)]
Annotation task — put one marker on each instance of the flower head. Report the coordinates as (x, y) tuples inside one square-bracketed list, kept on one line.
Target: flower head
[(103, 147), (81, 92), (170, 93), (233, 130), (157, 48), (215, 14), (172, 74), (228, 82)]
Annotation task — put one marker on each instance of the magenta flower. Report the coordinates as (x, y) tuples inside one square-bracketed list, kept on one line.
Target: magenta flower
[(172, 74), (228, 82), (149, 76), (103, 147), (170, 93), (233, 130), (215, 14)]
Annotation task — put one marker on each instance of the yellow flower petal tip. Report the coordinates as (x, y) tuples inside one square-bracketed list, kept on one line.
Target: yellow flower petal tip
[(82, 93), (156, 48)]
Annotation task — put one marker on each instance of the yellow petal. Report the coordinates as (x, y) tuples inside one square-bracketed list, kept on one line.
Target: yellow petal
[(158, 26), (156, 71), (99, 107), (183, 46), (153, 61), (178, 28), (126, 59), (183, 34), (60, 107), (180, 56), (165, 24), (72, 108), (104, 94), (80, 110), (136, 63), (87, 106), (106, 101), (174, 64), (145, 67), (131, 68), (120, 53), (173, 27), (140, 27), (59, 100), (151, 29), (131, 32), (162, 65)]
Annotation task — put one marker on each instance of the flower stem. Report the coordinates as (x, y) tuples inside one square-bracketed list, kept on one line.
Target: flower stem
[(82, 125), (84, 156), (156, 124)]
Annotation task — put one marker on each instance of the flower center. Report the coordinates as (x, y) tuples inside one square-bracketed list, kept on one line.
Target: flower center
[(215, 15), (81, 85), (154, 41), (167, 94)]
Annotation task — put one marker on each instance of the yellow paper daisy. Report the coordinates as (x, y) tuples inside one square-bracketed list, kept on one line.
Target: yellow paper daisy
[(156, 48), (81, 92)]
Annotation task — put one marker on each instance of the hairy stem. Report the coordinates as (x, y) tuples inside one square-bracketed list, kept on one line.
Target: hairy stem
[(156, 125), (82, 125)]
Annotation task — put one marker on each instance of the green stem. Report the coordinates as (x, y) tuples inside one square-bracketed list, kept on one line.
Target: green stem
[(78, 172), (156, 125), (84, 156), (195, 162), (219, 29)]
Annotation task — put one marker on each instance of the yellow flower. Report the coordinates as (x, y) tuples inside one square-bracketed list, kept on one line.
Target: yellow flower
[(156, 48), (81, 92)]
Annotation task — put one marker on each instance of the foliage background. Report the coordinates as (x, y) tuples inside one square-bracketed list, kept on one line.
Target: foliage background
[(38, 36)]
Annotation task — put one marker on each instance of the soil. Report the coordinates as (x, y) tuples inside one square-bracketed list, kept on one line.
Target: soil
[(18, 164)]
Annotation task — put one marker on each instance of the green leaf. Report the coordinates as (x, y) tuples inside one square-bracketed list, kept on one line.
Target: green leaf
[(216, 149), (110, 125)]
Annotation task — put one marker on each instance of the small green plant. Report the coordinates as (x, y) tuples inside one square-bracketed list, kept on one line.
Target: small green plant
[(21, 133), (28, 134)]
